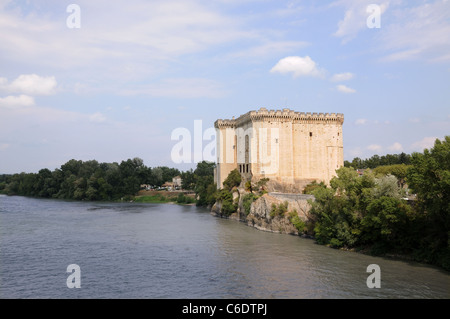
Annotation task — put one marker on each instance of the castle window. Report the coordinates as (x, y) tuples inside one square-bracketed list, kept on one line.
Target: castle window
[(276, 141), (310, 134)]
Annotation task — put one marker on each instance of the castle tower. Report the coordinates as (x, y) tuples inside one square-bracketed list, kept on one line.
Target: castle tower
[(290, 148)]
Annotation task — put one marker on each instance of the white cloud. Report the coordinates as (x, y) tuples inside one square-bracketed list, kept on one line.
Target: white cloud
[(396, 147), (355, 18), (31, 84), (419, 32), (12, 101), (340, 77), (426, 142), (298, 66), (344, 89), (97, 117), (361, 121), (119, 40), (374, 147)]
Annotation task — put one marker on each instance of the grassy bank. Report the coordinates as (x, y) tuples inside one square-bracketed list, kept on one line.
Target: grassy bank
[(164, 197)]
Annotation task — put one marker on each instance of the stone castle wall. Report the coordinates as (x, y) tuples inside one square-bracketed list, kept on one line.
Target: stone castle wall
[(290, 148)]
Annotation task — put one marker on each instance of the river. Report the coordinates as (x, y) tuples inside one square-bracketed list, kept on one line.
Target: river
[(129, 250)]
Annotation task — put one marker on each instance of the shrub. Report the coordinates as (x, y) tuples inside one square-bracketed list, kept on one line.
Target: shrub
[(247, 201), (183, 199), (228, 205), (233, 179), (296, 221), (312, 186), (279, 210)]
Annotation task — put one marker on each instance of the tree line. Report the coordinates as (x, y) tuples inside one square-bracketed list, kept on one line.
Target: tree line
[(94, 181), (87, 180), (369, 212), (377, 160)]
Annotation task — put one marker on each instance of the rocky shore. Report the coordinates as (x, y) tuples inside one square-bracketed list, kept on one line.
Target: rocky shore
[(261, 214)]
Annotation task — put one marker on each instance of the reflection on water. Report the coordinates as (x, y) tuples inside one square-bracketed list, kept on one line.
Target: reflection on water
[(129, 250)]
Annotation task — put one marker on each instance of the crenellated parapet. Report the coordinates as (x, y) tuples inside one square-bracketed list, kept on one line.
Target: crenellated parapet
[(225, 124), (280, 116)]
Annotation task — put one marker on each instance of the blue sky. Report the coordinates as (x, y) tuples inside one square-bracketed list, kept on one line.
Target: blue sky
[(135, 71)]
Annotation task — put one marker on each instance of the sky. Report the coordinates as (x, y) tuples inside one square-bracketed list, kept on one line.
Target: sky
[(113, 80)]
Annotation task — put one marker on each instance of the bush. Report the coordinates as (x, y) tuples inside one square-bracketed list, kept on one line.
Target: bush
[(228, 205), (279, 210), (336, 243), (297, 222), (233, 179), (183, 199), (309, 189), (247, 201)]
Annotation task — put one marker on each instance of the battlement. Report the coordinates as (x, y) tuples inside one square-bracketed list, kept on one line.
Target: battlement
[(288, 147), (280, 115)]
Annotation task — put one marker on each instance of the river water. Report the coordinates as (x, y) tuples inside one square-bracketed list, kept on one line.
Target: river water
[(129, 250)]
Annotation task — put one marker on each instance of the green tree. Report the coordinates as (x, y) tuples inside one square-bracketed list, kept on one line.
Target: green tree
[(233, 179), (205, 188), (298, 223), (387, 186), (429, 178), (247, 201), (385, 226), (188, 180), (225, 197), (398, 170), (312, 186), (205, 168)]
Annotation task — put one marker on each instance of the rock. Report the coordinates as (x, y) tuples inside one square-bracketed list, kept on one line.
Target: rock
[(260, 211), (259, 216)]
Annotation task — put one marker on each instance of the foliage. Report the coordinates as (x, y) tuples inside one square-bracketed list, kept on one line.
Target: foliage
[(312, 186), (248, 186), (299, 224), (91, 180), (279, 210), (158, 198), (247, 201), (233, 179), (429, 178), (376, 160), (386, 223), (225, 197), (386, 186), (183, 199), (397, 170), (88, 180), (368, 211), (188, 180), (205, 188)]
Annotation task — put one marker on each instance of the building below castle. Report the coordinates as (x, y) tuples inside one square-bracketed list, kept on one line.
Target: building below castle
[(290, 148)]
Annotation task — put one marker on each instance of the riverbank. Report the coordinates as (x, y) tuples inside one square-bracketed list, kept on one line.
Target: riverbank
[(161, 197), (289, 214)]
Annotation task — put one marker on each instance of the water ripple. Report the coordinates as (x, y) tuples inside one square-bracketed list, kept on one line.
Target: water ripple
[(131, 250)]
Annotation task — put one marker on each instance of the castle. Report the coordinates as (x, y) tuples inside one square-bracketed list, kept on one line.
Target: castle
[(290, 148)]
